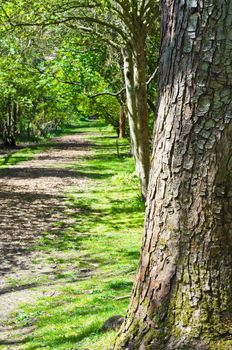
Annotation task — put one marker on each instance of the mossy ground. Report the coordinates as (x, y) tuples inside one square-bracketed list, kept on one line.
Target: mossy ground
[(96, 255)]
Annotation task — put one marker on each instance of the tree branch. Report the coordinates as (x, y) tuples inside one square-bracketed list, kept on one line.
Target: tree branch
[(108, 93), (67, 82), (5, 13), (151, 105), (71, 19), (92, 31), (152, 77)]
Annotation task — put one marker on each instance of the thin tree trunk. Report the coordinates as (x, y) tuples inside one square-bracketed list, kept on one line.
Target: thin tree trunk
[(9, 122), (122, 122), (9, 137), (15, 112), (4, 130), (28, 130), (182, 297)]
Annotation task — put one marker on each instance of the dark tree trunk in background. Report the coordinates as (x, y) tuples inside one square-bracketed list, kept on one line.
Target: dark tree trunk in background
[(183, 291), (10, 124), (15, 116), (122, 122)]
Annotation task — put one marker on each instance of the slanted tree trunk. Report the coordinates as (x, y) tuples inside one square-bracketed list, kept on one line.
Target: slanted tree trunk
[(182, 297)]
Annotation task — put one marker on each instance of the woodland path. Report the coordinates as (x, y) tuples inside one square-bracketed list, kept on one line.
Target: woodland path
[(32, 198)]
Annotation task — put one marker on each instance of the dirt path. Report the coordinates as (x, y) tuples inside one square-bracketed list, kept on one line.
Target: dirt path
[(32, 198)]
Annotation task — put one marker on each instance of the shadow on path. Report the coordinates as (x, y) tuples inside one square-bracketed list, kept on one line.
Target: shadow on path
[(32, 198)]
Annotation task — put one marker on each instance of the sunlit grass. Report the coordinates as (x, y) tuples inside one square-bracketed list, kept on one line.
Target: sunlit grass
[(18, 156), (102, 247)]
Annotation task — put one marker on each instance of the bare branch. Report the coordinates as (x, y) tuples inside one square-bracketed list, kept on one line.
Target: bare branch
[(94, 32), (5, 13), (74, 18), (152, 77), (67, 82), (109, 93)]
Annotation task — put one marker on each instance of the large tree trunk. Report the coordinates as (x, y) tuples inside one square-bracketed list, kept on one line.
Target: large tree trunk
[(182, 297)]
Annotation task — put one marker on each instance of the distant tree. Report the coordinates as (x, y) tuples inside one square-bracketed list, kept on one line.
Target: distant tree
[(84, 68), (30, 103), (124, 25), (182, 295), (46, 77)]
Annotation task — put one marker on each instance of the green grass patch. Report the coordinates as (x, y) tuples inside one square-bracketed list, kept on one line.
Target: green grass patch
[(13, 156), (96, 255), (18, 156)]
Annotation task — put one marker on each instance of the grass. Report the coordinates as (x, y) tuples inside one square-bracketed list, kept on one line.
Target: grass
[(96, 255), (18, 156), (13, 156)]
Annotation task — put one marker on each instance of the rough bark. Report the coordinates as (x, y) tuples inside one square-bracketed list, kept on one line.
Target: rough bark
[(142, 107), (138, 18), (136, 98), (183, 290)]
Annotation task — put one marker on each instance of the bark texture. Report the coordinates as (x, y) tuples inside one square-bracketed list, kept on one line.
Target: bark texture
[(137, 108), (183, 290), (138, 18)]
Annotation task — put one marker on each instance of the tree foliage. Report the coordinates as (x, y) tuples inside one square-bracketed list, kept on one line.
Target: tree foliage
[(46, 79), (123, 29)]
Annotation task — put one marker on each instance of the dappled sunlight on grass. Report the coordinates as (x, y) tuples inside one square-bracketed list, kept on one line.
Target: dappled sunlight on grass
[(17, 156), (95, 252)]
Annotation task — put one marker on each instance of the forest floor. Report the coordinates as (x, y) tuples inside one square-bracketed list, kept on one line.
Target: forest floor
[(64, 207)]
